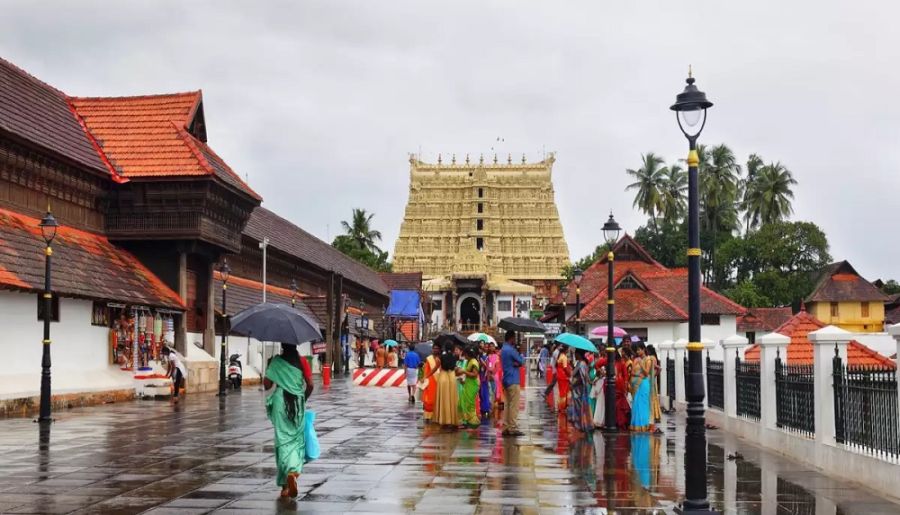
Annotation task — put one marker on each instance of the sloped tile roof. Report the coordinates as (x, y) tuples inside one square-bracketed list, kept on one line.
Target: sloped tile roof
[(411, 281), (293, 240), (841, 282), (244, 293), (763, 319), (800, 349), (85, 265), (634, 305), (41, 114), (147, 136)]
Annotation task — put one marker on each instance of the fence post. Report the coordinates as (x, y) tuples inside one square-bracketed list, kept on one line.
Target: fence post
[(730, 346), (707, 346), (770, 345), (824, 342), (665, 348), (680, 347), (894, 330)]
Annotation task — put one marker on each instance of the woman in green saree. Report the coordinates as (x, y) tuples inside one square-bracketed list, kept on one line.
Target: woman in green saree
[(288, 384)]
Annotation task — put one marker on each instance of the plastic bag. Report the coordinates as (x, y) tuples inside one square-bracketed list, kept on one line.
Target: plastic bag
[(309, 431)]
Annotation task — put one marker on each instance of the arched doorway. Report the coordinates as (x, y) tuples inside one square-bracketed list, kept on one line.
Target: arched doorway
[(470, 312)]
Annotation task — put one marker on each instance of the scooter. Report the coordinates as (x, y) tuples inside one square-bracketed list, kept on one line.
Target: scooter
[(235, 371)]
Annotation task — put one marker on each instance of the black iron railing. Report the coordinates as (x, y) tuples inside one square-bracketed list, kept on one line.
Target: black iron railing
[(715, 383), (865, 408), (746, 380), (794, 397), (670, 380)]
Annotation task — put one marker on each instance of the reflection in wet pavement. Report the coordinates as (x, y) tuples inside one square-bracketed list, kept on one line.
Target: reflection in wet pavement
[(377, 457)]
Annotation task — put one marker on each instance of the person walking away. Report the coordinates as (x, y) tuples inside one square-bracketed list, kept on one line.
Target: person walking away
[(288, 384), (430, 369), (543, 358), (446, 409), (485, 380), (580, 412), (640, 383), (551, 375), (511, 361), (392, 359), (470, 387), (379, 356), (598, 393), (655, 410), (176, 371), (563, 372), (411, 364)]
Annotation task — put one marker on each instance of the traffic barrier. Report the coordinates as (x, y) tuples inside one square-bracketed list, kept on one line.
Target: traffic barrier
[(384, 377)]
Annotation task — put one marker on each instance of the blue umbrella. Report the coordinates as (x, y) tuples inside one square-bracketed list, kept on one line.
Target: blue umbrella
[(576, 342), (390, 343)]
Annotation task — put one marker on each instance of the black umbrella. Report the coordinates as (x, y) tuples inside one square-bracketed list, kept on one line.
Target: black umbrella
[(446, 340), (272, 322), (424, 349), (521, 325)]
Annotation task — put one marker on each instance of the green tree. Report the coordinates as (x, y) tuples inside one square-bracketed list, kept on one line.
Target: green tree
[(674, 193), (720, 176), (747, 294), (768, 196), (359, 229), (891, 287), (668, 244), (649, 185)]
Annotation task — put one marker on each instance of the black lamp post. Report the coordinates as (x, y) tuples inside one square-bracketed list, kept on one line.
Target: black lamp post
[(564, 291), (690, 111), (611, 231), (294, 290), (48, 226), (225, 271), (578, 274)]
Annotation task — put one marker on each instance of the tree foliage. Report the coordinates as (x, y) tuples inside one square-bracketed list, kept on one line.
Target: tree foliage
[(359, 242)]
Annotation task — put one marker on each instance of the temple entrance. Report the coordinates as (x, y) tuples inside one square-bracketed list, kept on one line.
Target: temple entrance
[(470, 313)]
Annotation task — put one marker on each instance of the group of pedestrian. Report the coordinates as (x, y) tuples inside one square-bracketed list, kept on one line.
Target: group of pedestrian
[(464, 386), (577, 381)]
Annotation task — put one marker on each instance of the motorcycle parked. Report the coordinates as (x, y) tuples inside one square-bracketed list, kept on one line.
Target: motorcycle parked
[(235, 371)]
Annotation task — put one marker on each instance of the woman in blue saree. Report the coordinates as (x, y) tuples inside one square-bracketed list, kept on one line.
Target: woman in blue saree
[(640, 388)]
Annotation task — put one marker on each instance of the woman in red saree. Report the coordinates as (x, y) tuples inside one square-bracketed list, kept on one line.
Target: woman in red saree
[(429, 394), (563, 371), (623, 385)]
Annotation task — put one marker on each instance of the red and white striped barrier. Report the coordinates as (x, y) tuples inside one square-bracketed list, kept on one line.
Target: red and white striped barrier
[(379, 377)]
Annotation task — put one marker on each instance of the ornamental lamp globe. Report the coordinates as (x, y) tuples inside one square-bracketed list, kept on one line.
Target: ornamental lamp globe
[(690, 109), (611, 231), (48, 227), (225, 271), (578, 275)]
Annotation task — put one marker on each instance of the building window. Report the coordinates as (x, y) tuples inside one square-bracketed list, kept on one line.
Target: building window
[(504, 305), (54, 307), (709, 319), (865, 310), (628, 283), (438, 304), (480, 192), (479, 243), (479, 224), (480, 207), (834, 310)]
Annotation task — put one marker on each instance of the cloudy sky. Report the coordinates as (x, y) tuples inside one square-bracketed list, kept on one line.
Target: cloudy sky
[(320, 103)]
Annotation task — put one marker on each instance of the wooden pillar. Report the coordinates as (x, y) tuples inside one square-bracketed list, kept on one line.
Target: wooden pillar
[(209, 335), (329, 327), (181, 321)]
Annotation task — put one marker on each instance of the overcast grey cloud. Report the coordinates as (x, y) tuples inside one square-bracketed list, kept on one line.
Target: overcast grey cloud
[(324, 100)]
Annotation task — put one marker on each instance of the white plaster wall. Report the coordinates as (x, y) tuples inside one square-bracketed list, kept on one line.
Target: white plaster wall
[(506, 313), (437, 316), (79, 353)]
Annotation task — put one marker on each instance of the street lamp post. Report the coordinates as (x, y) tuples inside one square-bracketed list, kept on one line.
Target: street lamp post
[(48, 226), (225, 271), (611, 231), (294, 290), (690, 111), (564, 291), (578, 274)]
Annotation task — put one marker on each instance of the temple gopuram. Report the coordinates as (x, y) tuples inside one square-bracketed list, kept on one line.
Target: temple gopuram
[(486, 237)]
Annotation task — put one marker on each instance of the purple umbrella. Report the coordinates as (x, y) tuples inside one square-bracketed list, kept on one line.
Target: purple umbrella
[(618, 332)]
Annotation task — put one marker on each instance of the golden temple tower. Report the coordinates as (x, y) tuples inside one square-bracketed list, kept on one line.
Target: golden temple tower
[(486, 237)]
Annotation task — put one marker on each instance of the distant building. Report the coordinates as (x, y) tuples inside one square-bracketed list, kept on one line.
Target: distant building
[(759, 321), (486, 237), (843, 298)]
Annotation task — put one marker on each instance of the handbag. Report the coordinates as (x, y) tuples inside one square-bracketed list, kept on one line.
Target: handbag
[(313, 451)]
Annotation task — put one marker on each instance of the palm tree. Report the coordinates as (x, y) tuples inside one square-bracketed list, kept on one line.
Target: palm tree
[(720, 181), (649, 183), (768, 197), (754, 164), (360, 230), (674, 189)]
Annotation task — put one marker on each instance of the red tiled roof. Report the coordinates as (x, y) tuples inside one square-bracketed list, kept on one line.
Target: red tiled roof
[(244, 293), (147, 136), (410, 281), (800, 349), (840, 282), (86, 265), (40, 114), (634, 305), (293, 240), (759, 320), (892, 315)]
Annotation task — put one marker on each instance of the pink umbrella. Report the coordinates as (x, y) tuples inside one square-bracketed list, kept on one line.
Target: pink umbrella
[(618, 332)]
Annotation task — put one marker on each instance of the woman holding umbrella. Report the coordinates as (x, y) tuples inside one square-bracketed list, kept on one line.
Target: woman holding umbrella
[(580, 411)]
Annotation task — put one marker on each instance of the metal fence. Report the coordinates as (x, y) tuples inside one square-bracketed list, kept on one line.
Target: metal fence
[(865, 408), (715, 383), (670, 379), (794, 397), (746, 379)]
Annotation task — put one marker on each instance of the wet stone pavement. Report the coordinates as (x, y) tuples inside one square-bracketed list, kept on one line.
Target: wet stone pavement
[(377, 457)]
